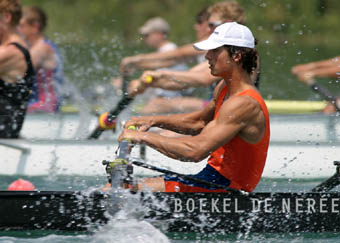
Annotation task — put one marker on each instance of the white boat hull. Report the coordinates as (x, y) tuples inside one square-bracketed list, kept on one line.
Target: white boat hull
[(301, 146), (74, 157)]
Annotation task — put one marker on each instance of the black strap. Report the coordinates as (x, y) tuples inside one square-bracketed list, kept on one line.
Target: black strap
[(30, 70)]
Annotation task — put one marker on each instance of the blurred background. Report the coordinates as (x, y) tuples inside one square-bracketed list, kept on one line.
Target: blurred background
[(94, 36)]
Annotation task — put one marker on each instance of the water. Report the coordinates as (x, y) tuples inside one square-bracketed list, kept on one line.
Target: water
[(147, 234), (128, 225)]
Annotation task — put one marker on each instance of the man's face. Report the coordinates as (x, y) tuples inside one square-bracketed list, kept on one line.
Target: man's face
[(214, 21), (153, 39), (202, 30), (220, 63), (25, 28)]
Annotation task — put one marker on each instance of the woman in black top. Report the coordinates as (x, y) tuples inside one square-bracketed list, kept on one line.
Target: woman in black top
[(16, 71)]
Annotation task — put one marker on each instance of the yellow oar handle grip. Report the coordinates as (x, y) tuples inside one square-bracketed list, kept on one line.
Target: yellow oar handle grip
[(132, 127), (148, 79)]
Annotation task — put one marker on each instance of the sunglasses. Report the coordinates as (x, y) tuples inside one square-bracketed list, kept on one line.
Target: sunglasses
[(214, 24)]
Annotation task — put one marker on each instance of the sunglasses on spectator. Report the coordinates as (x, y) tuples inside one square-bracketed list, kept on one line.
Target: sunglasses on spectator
[(214, 24)]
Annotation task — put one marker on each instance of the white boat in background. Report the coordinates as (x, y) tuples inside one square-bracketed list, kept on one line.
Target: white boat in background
[(302, 146), (74, 123)]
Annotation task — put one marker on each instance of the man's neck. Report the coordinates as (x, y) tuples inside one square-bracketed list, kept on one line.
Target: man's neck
[(162, 43), (237, 82), (33, 39), (8, 37)]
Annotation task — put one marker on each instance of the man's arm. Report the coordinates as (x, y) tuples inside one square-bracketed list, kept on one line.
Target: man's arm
[(38, 55), (197, 76), (235, 115), (43, 56), (326, 72), (160, 59), (312, 66), (190, 123)]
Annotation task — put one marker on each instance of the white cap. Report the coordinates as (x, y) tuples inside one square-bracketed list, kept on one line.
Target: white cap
[(232, 34), (154, 24)]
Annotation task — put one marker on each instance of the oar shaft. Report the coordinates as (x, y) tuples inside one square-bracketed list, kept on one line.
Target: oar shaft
[(325, 93), (124, 149)]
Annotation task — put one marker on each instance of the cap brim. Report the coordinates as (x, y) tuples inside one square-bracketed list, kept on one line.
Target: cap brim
[(144, 30), (207, 45)]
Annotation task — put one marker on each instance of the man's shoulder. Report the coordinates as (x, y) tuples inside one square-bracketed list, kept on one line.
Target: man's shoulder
[(244, 107), (242, 101), (168, 47), (43, 48), (9, 51)]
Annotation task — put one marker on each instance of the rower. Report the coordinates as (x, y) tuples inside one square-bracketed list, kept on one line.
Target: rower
[(16, 71), (233, 129)]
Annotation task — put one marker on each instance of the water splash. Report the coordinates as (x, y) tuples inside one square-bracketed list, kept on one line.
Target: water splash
[(128, 223), (125, 229), (85, 109)]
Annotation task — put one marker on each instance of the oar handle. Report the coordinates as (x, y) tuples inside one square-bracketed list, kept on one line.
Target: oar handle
[(148, 79), (125, 146)]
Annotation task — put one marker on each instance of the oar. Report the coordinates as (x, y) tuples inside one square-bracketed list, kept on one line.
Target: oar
[(323, 91), (112, 115), (122, 104), (188, 177)]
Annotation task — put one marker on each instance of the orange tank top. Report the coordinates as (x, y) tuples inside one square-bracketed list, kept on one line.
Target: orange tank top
[(241, 162)]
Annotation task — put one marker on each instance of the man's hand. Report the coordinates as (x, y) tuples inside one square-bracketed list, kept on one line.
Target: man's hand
[(304, 73), (131, 135), (136, 87), (301, 68), (128, 63), (306, 77), (149, 77), (143, 124)]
